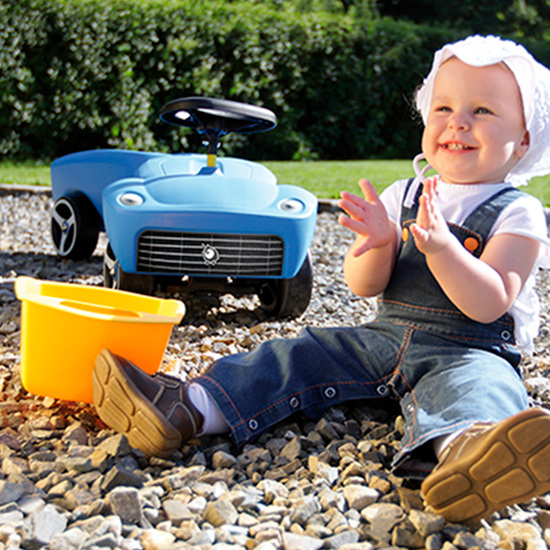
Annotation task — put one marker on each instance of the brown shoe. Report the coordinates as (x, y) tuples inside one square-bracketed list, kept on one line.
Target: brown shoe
[(490, 466), (153, 412)]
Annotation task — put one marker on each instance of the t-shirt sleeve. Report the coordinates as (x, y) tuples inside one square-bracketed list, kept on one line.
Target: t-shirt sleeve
[(392, 198), (526, 217)]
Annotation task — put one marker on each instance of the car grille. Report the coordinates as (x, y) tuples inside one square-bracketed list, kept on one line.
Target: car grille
[(210, 254)]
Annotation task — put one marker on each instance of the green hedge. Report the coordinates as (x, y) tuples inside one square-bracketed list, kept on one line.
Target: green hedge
[(83, 74)]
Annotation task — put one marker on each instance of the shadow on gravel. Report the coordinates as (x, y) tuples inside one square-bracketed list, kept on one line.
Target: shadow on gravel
[(201, 308), (48, 266), (211, 309)]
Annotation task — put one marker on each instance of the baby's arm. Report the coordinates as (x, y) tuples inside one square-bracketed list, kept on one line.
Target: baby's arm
[(484, 288), (369, 261)]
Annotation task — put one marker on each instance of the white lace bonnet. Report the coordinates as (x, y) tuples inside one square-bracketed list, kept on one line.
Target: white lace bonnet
[(533, 80)]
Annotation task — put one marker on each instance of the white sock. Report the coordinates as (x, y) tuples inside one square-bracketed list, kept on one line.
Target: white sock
[(440, 443), (213, 420)]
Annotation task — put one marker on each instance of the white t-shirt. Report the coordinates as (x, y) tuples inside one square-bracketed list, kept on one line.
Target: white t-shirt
[(525, 217)]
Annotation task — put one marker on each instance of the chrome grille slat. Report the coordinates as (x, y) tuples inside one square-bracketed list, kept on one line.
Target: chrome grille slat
[(183, 253)]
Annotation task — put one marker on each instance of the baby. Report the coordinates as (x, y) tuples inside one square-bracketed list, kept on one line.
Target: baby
[(452, 259)]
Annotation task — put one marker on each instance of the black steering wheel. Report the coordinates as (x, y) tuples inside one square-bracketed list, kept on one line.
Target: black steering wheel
[(216, 118)]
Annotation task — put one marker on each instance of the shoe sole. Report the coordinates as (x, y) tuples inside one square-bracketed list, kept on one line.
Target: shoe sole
[(122, 406), (511, 466)]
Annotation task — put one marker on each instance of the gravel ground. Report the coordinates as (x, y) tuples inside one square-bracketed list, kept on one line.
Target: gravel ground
[(66, 482)]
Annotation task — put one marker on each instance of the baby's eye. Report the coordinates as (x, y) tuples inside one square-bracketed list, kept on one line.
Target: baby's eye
[(482, 111), (442, 109)]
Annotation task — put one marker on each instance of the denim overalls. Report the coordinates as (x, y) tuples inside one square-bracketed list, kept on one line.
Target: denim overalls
[(447, 370)]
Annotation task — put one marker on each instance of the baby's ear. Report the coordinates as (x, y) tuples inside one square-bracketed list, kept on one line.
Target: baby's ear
[(524, 145)]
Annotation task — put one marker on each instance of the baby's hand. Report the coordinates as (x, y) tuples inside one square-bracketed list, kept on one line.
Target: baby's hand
[(367, 217), (430, 231)]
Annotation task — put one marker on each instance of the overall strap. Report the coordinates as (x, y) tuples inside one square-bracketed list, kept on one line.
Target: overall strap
[(474, 231), (485, 215), (408, 212)]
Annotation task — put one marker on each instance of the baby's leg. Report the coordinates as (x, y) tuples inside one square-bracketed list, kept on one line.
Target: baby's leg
[(319, 369), (499, 449), (461, 387), (492, 465), (245, 393)]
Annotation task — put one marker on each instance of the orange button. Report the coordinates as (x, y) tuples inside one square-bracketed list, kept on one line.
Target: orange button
[(471, 244)]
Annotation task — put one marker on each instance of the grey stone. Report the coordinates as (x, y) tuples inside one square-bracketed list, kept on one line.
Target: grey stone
[(125, 502), (108, 540), (383, 517), (326, 429), (120, 476), (29, 504), (407, 538), (15, 464), (292, 449), (115, 446), (222, 459), (75, 463), (359, 496), (304, 510), (42, 526), (14, 516), (176, 510), (204, 537), (71, 538), (301, 542), (341, 539), (75, 433), (434, 542), (272, 489), (426, 523), (10, 492)]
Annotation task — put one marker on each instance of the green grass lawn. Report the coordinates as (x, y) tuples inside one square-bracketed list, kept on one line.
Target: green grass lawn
[(323, 178), (326, 179), (25, 173)]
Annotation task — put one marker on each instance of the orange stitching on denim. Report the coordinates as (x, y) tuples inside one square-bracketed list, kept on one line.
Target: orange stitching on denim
[(467, 230), (434, 332), (400, 356), (397, 372), (422, 308), (504, 322)]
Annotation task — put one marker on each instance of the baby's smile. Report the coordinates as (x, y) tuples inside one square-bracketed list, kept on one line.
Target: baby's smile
[(456, 146)]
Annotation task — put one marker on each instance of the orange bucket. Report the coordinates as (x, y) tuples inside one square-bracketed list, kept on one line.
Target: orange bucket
[(65, 326)]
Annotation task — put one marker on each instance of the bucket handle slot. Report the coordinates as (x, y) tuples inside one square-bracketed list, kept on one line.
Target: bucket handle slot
[(102, 310)]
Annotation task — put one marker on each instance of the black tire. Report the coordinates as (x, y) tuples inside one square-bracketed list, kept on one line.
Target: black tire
[(109, 267), (74, 227), (288, 298), (115, 277)]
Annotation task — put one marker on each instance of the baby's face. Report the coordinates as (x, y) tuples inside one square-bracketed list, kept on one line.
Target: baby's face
[(475, 131)]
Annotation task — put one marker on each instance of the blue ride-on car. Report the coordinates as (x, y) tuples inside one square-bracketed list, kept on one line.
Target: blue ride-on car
[(191, 222)]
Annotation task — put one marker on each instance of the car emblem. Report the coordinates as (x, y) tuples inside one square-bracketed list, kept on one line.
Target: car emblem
[(210, 255)]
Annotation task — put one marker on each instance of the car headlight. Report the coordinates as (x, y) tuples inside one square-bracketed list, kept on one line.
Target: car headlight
[(131, 199), (291, 205)]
